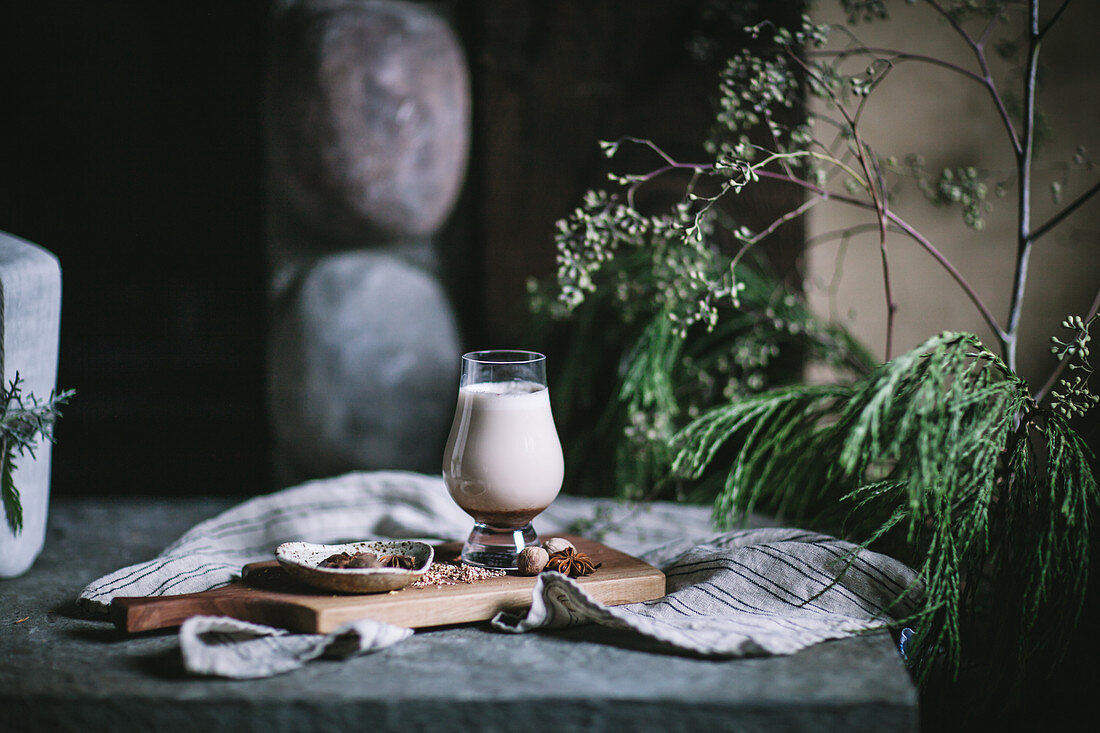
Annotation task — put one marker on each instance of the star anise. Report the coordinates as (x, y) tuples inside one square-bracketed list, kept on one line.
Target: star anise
[(572, 563), (406, 562)]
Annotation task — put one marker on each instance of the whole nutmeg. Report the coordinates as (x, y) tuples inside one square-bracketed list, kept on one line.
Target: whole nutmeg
[(532, 560), (557, 544)]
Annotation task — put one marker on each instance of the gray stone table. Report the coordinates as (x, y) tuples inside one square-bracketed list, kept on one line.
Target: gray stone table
[(61, 672)]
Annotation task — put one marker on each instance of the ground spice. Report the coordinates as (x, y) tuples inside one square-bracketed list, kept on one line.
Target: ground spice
[(453, 573)]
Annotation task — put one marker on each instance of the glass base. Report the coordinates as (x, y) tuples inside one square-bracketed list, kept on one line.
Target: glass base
[(493, 547)]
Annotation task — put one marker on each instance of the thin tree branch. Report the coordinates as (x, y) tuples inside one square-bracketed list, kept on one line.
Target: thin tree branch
[(888, 216), (986, 75), (946, 264), (873, 185), (844, 233), (655, 148), (1023, 164), (896, 55), (792, 214), (1057, 218), (775, 140), (1054, 18), (953, 22)]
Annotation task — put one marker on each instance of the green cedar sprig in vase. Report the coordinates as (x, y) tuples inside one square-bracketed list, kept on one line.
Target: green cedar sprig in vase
[(24, 420)]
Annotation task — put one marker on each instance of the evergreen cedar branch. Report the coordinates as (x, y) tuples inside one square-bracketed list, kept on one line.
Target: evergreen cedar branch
[(941, 456), (23, 422)]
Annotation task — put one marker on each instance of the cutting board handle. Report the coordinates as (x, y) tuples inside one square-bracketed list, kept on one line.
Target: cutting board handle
[(132, 614)]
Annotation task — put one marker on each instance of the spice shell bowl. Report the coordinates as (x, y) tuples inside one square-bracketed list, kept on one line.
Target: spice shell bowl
[(301, 561)]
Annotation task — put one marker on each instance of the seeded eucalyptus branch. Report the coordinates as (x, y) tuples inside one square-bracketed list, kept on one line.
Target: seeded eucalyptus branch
[(943, 456), (1075, 397), (25, 420)]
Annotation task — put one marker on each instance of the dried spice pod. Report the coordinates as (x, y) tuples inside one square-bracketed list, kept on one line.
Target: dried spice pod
[(572, 563), (339, 560), (408, 562), (346, 560)]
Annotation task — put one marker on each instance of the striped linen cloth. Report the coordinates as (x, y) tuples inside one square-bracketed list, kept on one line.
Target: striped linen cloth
[(769, 590), (744, 593)]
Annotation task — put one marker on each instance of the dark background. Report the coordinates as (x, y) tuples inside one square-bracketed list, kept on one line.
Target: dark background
[(132, 150)]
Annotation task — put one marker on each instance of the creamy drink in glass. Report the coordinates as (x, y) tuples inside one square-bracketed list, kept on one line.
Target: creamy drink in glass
[(503, 461)]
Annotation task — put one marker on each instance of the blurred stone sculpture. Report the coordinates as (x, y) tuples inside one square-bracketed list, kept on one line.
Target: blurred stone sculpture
[(367, 127)]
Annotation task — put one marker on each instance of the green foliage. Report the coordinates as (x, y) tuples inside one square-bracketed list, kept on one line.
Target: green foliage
[(656, 339), (942, 456), (23, 422), (13, 505), (933, 457)]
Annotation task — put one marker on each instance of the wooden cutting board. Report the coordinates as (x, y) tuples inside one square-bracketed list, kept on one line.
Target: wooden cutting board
[(267, 595)]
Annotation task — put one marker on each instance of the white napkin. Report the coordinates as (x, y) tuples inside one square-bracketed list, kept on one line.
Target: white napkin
[(747, 592), (228, 647)]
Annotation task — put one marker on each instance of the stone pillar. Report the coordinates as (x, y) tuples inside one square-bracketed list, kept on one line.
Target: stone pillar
[(366, 118)]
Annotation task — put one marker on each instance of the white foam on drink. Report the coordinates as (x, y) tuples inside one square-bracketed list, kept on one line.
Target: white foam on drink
[(517, 387), (506, 395)]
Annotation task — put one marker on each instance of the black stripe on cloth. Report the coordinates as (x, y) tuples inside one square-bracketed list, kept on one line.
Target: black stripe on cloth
[(235, 552), (738, 616), (143, 570), (867, 605), (150, 568), (763, 613), (668, 601), (721, 564), (697, 566), (188, 574), (163, 588), (747, 608), (800, 602), (864, 565)]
